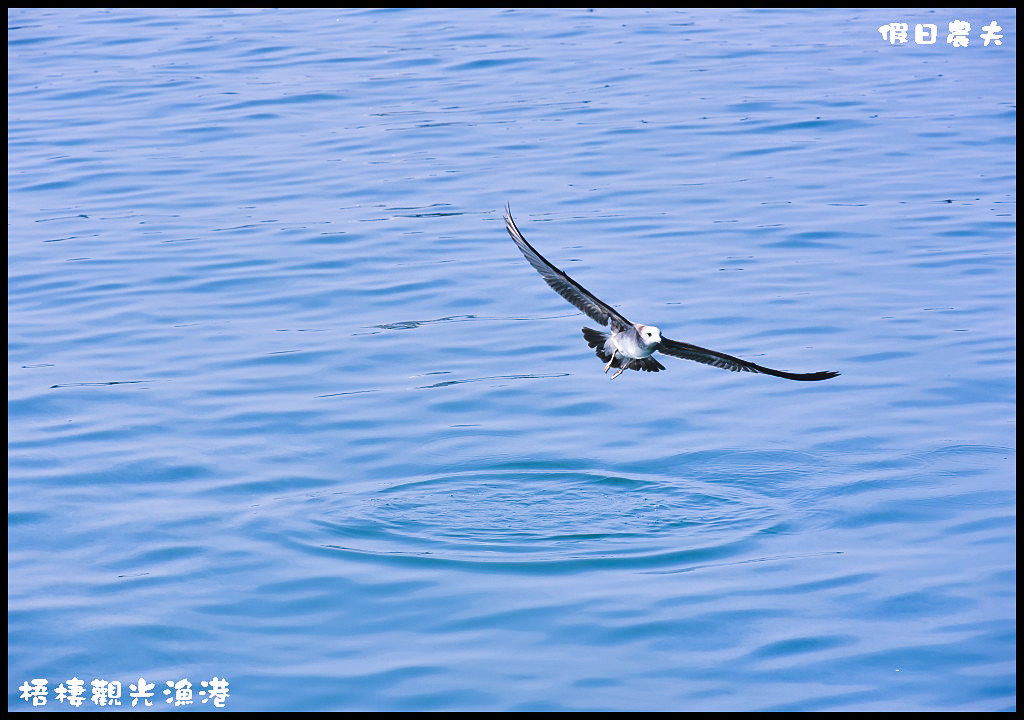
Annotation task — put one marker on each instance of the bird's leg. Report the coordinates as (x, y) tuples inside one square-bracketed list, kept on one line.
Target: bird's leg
[(622, 367), (610, 361)]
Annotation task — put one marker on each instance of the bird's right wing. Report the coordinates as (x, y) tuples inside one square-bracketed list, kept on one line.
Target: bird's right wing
[(565, 285), (728, 362)]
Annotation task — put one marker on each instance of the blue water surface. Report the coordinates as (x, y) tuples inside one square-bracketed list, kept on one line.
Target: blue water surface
[(286, 407)]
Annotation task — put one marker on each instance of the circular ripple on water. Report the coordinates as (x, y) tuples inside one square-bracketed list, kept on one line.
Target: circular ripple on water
[(544, 518)]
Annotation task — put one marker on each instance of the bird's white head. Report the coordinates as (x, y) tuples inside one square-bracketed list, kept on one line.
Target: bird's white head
[(649, 334)]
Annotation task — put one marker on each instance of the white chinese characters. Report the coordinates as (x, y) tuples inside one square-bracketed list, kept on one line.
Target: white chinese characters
[(991, 34), (109, 693), (958, 35)]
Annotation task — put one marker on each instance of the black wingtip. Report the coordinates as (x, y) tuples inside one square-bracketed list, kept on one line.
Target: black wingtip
[(804, 377), (824, 375)]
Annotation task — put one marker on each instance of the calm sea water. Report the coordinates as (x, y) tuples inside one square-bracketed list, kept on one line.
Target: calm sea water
[(286, 407)]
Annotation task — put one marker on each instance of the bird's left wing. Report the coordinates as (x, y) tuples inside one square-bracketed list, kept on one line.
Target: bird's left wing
[(565, 285), (728, 362)]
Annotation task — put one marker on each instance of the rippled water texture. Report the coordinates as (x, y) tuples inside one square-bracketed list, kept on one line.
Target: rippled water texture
[(287, 407)]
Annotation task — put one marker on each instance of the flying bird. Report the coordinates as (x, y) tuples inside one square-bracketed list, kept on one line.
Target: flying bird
[(631, 345)]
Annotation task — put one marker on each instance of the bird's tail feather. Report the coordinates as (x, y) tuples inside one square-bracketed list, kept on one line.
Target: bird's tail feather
[(596, 340)]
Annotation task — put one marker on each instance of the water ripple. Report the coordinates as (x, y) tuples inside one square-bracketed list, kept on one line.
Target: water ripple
[(537, 518)]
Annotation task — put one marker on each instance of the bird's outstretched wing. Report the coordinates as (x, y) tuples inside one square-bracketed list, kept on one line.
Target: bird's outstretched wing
[(728, 362), (563, 284)]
